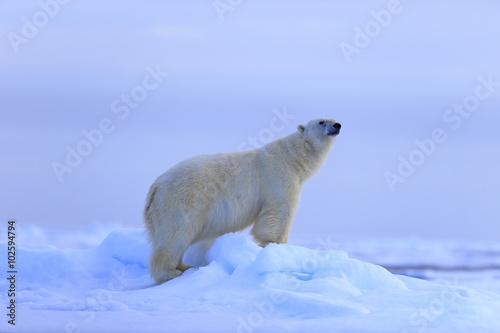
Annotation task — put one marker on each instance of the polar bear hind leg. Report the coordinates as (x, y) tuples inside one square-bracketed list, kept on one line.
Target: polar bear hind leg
[(166, 256), (183, 267), (166, 263), (162, 264)]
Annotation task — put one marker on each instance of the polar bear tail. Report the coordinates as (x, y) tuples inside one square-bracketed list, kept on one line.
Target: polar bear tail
[(147, 214)]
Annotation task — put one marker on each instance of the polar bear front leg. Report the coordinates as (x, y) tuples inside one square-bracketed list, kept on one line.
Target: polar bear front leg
[(273, 225)]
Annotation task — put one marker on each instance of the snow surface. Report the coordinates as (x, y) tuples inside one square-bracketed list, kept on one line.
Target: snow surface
[(241, 287), (228, 81)]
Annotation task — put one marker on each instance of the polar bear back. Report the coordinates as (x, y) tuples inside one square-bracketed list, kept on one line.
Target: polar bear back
[(221, 189)]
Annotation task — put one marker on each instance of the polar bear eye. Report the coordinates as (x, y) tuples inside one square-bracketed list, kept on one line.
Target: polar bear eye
[(322, 122)]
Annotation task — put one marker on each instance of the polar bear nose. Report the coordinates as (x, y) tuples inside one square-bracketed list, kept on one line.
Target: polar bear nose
[(337, 125)]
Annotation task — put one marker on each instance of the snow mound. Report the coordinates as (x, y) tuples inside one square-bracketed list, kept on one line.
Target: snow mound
[(243, 288)]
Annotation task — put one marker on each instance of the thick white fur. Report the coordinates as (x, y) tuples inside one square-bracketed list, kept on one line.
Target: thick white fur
[(207, 196)]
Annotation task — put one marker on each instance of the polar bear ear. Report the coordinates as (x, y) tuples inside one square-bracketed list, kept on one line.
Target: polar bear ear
[(301, 128)]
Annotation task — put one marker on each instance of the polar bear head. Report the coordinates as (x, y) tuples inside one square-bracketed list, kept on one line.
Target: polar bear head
[(312, 142), (320, 130)]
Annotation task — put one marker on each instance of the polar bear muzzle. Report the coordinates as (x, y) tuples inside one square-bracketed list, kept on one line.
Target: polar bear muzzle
[(334, 129)]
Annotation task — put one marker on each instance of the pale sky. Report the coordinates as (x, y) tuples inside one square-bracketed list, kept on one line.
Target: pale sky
[(134, 87)]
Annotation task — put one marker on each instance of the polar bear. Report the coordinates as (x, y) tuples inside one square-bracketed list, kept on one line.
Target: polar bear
[(206, 196)]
